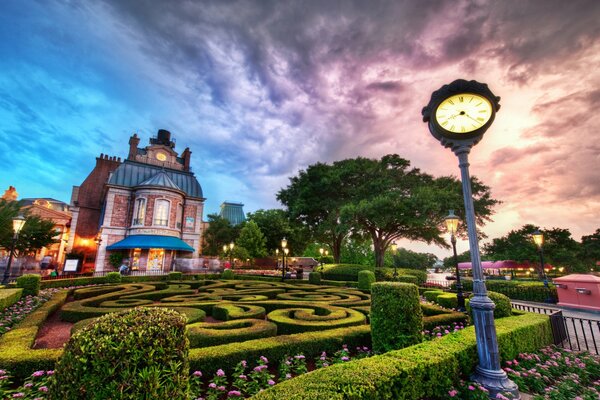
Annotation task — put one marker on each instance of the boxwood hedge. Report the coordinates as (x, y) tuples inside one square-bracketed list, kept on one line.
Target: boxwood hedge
[(8, 297), (30, 284)]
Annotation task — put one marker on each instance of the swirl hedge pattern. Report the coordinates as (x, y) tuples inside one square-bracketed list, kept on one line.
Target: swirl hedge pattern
[(221, 312)]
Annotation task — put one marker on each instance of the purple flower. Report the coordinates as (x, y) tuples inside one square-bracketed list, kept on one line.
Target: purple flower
[(220, 372), (221, 388), (212, 385), (264, 359), (235, 393), (197, 373), (271, 382), (28, 385), (43, 389), (244, 364), (244, 377), (17, 395), (345, 358), (452, 393), (299, 357), (38, 373), (471, 387), (51, 372), (288, 376)]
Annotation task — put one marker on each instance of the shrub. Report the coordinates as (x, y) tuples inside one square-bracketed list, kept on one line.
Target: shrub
[(431, 295), (226, 312), (516, 290), (228, 274), (365, 279), (444, 319), (113, 277), (314, 278), (387, 274), (297, 320), (139, 353), (30, 284), (408, 279), (115, 259), (447, 300), (205, 334), (426, 370), (396, 316), (8, 297), (175, 276), (502, 302), (344, 272)]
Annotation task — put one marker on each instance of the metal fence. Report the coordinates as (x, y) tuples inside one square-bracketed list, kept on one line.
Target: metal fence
[(578, 334)]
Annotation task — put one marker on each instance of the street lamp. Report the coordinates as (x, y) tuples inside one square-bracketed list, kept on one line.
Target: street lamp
[(18, 223), (458, 115), (231, 254), (321, 251), (452, 225), (538, 239), (394, 252), (285, 252)]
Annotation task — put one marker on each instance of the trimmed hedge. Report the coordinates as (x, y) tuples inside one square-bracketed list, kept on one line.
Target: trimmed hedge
[(400, 300), (175, 276), (205, 334), (426, 370), (447, 300), (228, 274), (314, 278), (8, 297), (344, 272), (139, 353), (297, 320), (365, 279), (226, 312), (113, 277), (30, 284), (387, 274), (502, 302), (516, 290), (408, 279), (210, 359), (431, 295)]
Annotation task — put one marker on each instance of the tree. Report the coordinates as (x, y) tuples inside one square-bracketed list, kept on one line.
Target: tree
[(35, 234), (462, 257), (392, 202), (560, 249), (219, 232), (252, 239), (413, 260), (590, 249), (275, 224)]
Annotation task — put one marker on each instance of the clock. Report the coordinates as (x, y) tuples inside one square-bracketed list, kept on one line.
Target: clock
[(161, 156), (461, 112)]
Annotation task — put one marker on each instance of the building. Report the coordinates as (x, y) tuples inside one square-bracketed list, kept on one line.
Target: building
[(147, 208), (233, 212)]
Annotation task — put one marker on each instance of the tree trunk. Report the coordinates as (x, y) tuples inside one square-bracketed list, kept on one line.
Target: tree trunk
[(379, 249), (337, 247)]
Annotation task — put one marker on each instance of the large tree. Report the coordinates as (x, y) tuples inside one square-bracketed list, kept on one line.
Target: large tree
[(35, 234), (219, 232), (252, 239), (276, 224), (394, 201), (413, 260), (590, 249), (560, 249)]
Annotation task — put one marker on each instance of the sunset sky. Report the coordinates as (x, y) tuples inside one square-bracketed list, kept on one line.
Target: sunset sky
[(261, 89)]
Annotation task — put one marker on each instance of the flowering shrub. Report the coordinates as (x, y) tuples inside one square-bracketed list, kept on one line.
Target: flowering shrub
[(443, 330), (35, 387), (14, 314), (469, 391)]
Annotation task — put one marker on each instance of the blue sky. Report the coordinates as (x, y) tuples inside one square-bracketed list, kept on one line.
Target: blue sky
[(261, 89)]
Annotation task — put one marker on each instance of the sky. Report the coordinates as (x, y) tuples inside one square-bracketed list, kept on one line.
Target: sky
[(261, 89)]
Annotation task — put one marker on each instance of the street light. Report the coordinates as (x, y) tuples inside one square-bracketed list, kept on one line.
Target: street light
[(452, 225), (321, 251), (231, 254), (18, 223), (394, 252), (538, 239), (285, 252)]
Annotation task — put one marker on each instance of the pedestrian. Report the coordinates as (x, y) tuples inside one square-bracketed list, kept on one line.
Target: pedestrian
[(124, 268)]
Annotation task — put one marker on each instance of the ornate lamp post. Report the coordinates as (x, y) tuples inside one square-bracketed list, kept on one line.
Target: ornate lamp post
[(18, 223), (321, 251), (458, 115), (394, 252), (538, 238), (231, 245), (285, 252), (452, 225)]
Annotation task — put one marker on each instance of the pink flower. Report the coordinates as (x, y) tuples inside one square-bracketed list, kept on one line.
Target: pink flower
[(220, 372), (197, 373), (43, 389), (471, 387), (452, 393), (212, 385), (271, 382)]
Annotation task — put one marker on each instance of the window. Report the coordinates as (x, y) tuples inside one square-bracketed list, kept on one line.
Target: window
[(140, 211), (161, 212), (179, 215)]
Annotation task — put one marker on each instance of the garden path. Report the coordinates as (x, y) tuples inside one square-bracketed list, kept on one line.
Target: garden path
[(53, 334)]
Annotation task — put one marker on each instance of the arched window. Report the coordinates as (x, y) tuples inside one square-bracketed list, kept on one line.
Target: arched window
[(140, 211), (179, 215), (161, 212)]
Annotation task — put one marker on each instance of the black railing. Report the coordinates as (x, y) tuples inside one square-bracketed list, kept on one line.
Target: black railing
[(438, 283), (577, 334)]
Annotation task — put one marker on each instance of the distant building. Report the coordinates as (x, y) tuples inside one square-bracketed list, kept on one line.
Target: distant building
[(147, 208), (233, 212)]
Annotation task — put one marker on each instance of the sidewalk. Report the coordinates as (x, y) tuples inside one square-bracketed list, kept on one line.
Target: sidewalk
[(567, 311)]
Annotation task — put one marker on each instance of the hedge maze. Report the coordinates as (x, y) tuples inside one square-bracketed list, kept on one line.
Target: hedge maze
[(238, 310)]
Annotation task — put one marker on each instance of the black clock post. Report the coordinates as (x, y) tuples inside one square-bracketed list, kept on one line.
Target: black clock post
[(458, 115)]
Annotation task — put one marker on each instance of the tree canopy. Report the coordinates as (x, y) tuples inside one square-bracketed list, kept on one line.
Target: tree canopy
[(35, 234), (252, 239), (275, 224), (219, 232)]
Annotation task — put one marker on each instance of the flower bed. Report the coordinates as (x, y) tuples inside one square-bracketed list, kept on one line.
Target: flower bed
[(15, 313)]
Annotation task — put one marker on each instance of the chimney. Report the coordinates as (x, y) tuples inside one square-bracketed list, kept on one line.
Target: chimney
[(133, 144), (186, 155)]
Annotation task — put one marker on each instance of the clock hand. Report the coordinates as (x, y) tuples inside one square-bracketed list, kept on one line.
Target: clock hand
[(468, 116)]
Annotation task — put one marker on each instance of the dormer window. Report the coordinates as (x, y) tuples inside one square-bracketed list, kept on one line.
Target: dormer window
[(140, 211), (161, 212)]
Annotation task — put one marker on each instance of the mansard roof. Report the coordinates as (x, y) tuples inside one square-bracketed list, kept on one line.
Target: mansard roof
[(132, 174)]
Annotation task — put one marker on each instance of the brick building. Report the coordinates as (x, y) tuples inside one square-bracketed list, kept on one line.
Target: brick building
[(147, 208)]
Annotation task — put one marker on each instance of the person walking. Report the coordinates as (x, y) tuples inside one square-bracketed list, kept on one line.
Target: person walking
[(124, 268)]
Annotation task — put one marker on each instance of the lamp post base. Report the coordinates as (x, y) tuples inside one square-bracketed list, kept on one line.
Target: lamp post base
[(495, 381)]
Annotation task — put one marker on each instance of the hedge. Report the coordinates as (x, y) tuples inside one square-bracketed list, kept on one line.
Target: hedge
[(30, 284), (422, 371), (516, 290), (400, 300), (314, 278), (204, 334), (344, 272), (431, 295), (135, 354), (226, 312), (447, 300), (408, 279), (365, 279), (175, 276), (298, 319), (387, 274), (210, 359), (502, 302), (113, 277), (434, 315), (228, 274), (8, 297)]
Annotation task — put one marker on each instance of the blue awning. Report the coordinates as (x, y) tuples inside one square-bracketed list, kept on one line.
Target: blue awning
[(151, 242)]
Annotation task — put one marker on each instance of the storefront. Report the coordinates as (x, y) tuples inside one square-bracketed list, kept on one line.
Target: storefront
[(151, 253)]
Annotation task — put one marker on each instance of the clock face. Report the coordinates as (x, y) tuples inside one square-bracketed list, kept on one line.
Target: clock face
[(463, 113), (161, 156)]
